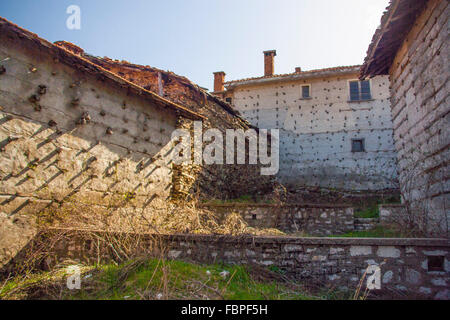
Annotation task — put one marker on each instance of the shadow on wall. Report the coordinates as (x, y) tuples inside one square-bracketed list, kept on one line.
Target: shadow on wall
[(69, 137)]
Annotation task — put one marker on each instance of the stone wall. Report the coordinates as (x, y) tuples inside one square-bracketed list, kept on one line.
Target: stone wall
[(392, 213), (314, 219), (420, 112), (365, 224), (65, 133), (410, 268), (316, 133), (207, 181)]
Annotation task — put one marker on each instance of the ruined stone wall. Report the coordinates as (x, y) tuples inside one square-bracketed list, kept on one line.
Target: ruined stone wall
[(68, 137), (315, 219), (420, 112), (316, 133), (392, 213), (409, 268), (206, 181)]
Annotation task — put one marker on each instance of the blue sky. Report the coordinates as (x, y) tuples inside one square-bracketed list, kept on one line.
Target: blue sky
[(194, 38)]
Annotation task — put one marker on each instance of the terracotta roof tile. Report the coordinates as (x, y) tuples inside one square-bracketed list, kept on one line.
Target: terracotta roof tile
[(395, 24), (181, 79), (309, 73)]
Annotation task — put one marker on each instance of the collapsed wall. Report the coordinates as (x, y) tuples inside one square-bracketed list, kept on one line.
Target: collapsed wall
[(206, 181)]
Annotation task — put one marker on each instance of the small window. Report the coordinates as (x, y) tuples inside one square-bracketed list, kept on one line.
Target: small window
[(306, 92), (228, 100), (360, 90), (436, 263), (254, 216), (358, 145)]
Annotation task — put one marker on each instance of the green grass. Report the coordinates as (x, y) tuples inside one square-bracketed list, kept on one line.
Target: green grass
[(369, 212), (156, 279), (377, 232)]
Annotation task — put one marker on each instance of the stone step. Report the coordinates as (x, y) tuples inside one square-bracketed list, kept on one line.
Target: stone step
[(364, 224), (367, 220)]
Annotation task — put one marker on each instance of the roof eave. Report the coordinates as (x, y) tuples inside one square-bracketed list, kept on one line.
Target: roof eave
[(84, 64), (291, 77)]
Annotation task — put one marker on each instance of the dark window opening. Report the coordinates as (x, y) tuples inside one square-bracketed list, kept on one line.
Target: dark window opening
[(358, 145), (436, 263), (305, 92), (228, 100), (253, 216), (360, 90)]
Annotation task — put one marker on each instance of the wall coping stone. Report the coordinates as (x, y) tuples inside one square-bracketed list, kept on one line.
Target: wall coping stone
[(394, 205), (272, 205), (418, 242)]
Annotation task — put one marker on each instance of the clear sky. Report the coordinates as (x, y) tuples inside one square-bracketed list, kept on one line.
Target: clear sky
[(194, 38)]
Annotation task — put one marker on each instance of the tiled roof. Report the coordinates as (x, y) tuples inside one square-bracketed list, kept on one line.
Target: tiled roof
[(181, 79), (70, 58), (294, 75), (396, 22)]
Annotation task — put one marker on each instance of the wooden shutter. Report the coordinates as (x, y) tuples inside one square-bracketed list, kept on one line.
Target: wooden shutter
[(354, 90), (365, 90)]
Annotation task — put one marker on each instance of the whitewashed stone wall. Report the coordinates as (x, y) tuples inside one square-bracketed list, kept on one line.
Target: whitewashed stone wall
[(316, 133), (420, 111)]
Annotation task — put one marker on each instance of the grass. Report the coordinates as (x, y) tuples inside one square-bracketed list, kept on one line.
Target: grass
[(377, 232), (157, 279), (369, 212)]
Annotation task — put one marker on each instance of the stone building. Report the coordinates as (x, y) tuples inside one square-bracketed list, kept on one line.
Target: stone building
[(335, 131), (84, 135), (75, 138), (412, 46), (71, 129), (206, 181)]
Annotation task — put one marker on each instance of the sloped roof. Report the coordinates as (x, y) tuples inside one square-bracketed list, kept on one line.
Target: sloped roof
[(294, 76), (84, 65), (396, 23), (181, 79)]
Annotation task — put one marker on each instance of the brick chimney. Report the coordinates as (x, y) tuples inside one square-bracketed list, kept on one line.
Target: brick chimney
[(298, 70), (219, 79), (268, 62)]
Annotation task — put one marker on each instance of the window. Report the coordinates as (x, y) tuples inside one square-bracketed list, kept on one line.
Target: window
[(358, 145), (306, 92), (436, 263), (360, 90), (228, 100)]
